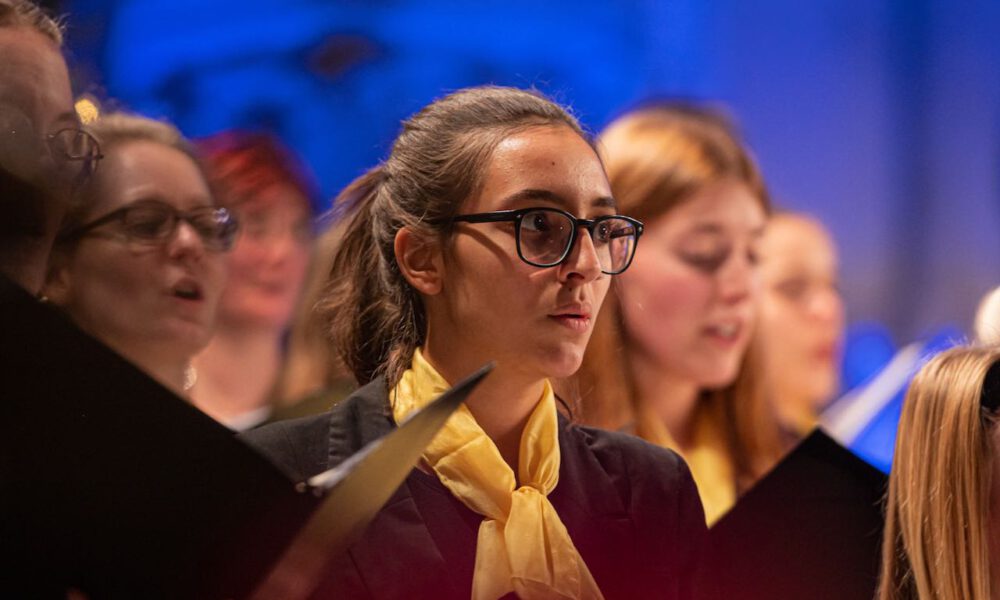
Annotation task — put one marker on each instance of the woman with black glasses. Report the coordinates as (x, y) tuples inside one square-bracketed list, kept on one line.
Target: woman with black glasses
[(138, 261), (490, 234)]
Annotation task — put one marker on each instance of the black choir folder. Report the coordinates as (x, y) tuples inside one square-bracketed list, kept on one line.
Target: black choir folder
[(811, 529), (111, 485)]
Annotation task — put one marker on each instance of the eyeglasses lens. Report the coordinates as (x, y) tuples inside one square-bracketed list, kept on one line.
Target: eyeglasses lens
[(79, 146), (614, 240), (150, 223), (545, 236), (155, 223)]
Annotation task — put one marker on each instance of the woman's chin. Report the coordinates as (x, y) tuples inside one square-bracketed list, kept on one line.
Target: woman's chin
[(562, 363), (717, 379), (186, 339)]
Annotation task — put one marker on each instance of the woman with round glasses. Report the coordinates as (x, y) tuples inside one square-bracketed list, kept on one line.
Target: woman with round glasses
[(138, 261), (671, 358), (490, 234)]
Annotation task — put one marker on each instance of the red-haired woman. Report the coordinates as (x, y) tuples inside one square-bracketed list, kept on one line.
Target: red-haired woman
[(253, 176)]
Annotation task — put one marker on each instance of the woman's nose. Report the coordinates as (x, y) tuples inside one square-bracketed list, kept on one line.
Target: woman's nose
[(186, 240), (582, 261), (738, 279)]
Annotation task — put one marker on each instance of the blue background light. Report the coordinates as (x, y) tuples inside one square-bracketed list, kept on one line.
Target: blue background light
[(880, 118)]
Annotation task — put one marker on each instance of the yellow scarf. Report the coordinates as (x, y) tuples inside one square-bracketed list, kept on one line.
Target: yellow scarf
[(707, 458), (523, 546)]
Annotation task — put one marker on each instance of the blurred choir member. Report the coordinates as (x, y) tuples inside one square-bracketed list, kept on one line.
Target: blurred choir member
[(670, 359), (801, 324), (490, 234), (139, 262), (257, 179), (942, 532), (314, 377)]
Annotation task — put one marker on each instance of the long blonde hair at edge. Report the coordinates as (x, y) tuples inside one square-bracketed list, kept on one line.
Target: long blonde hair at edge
[(936, 545)]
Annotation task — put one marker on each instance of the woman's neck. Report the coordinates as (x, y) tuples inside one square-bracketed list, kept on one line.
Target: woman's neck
[(502, 403), (236, 372), (169, 370), (672, 399), (796, 412)]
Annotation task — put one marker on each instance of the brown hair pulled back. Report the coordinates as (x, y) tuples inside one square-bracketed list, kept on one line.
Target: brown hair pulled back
[(376, 319)]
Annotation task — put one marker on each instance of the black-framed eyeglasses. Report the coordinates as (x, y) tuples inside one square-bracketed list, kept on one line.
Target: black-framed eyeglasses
[(72, 144), (153, 222), (545, 236)]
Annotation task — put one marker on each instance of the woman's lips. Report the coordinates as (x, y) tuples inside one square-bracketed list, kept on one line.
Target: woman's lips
[(188, 290), (826, 352), (726, 334), (576, 322)]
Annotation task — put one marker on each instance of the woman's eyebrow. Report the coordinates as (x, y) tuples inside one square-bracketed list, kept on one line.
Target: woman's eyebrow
[(604, 202), (554, 198), (534, 194), (707, 229)]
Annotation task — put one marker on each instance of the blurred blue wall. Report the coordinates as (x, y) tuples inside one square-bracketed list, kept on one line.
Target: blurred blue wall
[(881, 118)]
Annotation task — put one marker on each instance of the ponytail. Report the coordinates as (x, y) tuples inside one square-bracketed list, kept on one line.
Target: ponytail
[(375, 318)]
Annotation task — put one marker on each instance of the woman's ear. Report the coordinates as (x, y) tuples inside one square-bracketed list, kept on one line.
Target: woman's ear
[(419, 261), (57, 280)]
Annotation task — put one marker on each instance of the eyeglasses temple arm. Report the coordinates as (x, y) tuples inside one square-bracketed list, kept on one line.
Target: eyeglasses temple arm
[(79, 230)]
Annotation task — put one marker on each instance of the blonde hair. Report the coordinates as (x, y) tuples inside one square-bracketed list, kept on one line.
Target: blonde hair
[(935, 544), (657, 158), (311, 364), (22, 14)]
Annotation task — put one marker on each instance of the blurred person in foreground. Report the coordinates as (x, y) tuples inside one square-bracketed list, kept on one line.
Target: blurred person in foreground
[(43, 149), (671, 357), (109, 484), (260, 181), (942, 530), (801, 326)]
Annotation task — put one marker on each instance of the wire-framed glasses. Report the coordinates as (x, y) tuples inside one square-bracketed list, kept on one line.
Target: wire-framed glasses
[(545, 236), (154, 222), (72, 144)]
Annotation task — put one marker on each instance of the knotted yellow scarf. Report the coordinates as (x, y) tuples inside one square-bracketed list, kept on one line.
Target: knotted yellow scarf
[(523, 546)]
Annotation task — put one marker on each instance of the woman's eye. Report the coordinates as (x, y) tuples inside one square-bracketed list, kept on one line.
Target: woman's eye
[(705, 262), (603, 232), (538, 222), (147, 222), (793, 289), (146, 227)]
